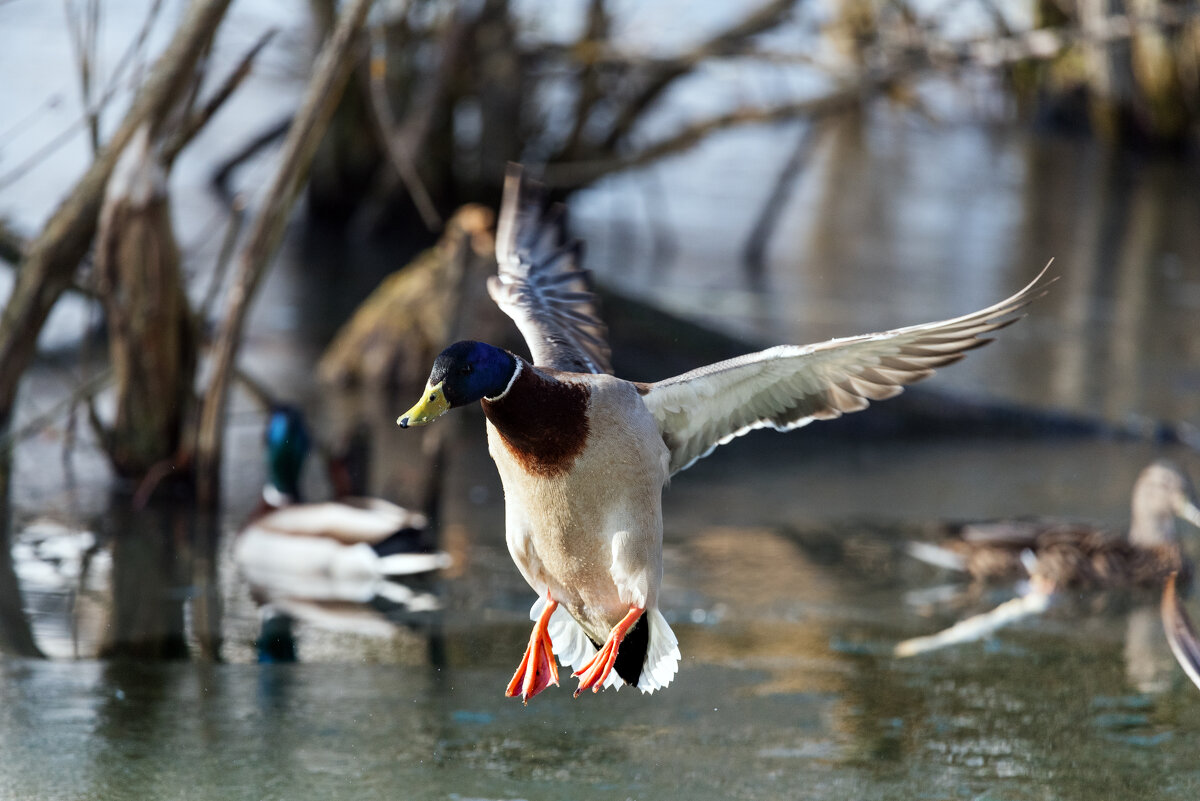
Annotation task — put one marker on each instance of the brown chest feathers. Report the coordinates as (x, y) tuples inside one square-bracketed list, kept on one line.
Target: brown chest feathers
[(542, 422)]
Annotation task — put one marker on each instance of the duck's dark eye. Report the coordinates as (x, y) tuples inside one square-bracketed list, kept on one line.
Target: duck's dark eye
[(466, 370)]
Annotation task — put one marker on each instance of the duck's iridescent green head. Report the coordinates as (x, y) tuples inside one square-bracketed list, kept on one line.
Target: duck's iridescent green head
[(287, 444), (462, 374)]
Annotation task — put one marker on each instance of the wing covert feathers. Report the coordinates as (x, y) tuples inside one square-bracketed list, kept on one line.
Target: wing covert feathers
[(540, 284), (789, 386)]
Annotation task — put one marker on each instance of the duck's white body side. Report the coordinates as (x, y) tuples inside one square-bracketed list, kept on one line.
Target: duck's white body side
[(324, 550)]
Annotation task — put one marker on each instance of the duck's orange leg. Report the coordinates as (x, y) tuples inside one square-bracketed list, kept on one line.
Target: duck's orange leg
[(597, 669), (537, 670)]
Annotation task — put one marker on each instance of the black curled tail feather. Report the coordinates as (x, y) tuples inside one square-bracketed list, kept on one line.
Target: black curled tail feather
[(632, 654)]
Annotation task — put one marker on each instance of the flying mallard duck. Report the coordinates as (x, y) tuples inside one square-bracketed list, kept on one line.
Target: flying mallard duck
[(1056, 555), (584, 456), (343, 549)]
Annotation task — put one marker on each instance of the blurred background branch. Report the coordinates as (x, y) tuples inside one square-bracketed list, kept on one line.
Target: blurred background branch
[(330, 73)]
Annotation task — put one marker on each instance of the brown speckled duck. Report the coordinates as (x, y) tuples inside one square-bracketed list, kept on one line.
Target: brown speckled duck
[(1062, 554), (584, 456), (1058, 556)]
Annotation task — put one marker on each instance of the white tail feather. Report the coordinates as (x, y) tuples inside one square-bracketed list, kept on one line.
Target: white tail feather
[(936, 555), (662, 656), (405, 564), (574, 649)]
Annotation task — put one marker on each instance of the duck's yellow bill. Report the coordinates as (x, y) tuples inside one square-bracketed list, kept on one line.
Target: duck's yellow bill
[(433, 404)]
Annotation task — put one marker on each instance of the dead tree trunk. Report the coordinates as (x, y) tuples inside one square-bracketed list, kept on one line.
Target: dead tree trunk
[(52, 257), (16, 637), (151, 336)]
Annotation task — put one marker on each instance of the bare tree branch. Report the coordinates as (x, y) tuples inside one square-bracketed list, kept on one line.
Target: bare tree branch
[(84, 25), (197, 120), (754, 253), (135, 47), (397, 148), (237, 216), (728, 42), (330, 74), (595, 37), (16, 636), (54, 254), (13, 247), (12, 244), (220, 177), (572, 175), (85, 391)]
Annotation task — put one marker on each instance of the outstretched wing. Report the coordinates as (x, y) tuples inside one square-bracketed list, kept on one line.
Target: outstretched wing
[(790, 386), (541, 286)]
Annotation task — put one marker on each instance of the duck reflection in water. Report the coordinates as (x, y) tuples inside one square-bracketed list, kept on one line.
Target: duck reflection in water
[(1052, 556), (335, 564)]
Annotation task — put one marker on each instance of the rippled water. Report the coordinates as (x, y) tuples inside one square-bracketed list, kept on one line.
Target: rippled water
[(786, 586)]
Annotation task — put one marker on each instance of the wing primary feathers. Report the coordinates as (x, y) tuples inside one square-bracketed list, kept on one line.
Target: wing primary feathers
[(789, 386), (540, 284)]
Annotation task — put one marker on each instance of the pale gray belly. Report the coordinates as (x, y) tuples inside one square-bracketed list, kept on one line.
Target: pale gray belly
[(561, 528)]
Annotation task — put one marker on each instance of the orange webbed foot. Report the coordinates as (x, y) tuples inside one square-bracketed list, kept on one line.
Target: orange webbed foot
[(537, 670), (595, 672)]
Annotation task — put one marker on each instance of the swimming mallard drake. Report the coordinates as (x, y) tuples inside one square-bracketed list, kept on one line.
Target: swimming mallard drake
[(584, 456), (1063, 554), (336, 549)]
